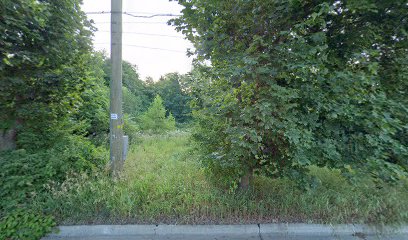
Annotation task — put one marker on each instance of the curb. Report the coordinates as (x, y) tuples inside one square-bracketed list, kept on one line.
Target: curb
[(328, 231), (251, 231)]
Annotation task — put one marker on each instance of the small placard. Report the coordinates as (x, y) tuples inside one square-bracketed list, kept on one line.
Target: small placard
[(114, 116)]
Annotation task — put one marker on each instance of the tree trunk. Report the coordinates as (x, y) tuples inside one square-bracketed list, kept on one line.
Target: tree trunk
[(8, 138)]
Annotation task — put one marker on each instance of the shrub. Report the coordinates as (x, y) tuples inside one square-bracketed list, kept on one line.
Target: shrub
[(130, 128), (154, 119), (25, 174), (23, 224)]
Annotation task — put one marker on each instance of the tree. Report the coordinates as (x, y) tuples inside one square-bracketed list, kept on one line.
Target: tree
[(52, 96), (94, 106), (45, 48), (176, 101), (155, 119), (136, 98), (296, 83)]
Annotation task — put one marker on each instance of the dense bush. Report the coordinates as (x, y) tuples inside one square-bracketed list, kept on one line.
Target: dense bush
[(23, 224), (130, 128), (300, 83), (53, 100), (24, 174), (93, 110)]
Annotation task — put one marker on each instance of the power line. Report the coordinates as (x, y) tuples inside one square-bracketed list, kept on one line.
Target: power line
[(133, 22), (147, 34), (106, 12), (154, 15), (152, 48), (137, 12), (138, 16), (101, 12), (155, 48)]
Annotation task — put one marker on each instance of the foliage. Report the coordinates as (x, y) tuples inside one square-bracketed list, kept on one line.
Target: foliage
[(133, 104), (44, 49), (94, 106), (52, 96), (164, 182), (138, 94), (131, 80), (24, 174), (300, 83), (25, 225), (176, 100), (130, 128), (154, 119), (136, 98)]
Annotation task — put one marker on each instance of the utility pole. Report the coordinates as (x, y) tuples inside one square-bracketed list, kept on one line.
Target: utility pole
[(116, 116)]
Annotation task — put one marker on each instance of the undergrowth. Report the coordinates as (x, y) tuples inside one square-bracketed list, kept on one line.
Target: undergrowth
[(23, 179), (163, 182)]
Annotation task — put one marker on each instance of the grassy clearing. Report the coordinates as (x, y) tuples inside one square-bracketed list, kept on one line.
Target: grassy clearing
[(163, 183)]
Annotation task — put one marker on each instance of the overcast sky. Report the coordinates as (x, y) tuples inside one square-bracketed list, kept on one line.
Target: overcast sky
[(142, 34)]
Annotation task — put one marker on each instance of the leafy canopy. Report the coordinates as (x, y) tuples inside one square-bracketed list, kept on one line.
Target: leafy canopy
[(299, 83), (176, 100), (52, 96)]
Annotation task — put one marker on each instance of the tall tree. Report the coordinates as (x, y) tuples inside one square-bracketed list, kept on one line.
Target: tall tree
[(93, 111), (136, 97), (44, 48), (295, 83), (176, 100)]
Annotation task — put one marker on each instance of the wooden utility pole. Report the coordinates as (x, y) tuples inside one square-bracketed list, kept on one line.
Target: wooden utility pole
[(116, 116)]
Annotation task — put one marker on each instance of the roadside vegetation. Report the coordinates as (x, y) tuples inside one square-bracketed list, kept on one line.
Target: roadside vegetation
[(164, 182), (294, 111)]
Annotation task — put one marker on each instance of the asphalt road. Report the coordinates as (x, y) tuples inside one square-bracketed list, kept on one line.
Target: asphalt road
[(230, 232)]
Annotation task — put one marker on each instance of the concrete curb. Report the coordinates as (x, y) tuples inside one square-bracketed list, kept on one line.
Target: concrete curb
[(251, 231), (322, 231)]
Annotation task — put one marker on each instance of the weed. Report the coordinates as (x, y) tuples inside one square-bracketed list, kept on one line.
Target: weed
[(163, 182)]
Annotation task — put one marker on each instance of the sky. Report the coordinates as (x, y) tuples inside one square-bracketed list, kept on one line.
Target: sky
[(140, 36)]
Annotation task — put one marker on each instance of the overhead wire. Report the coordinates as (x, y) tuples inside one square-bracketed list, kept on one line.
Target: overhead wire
[(145, 47), (108, 22), (136, 12), (131, 14), (147, 34), (152, 16)]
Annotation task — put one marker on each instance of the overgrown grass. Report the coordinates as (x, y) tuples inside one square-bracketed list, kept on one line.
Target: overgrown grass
[(164, 183)]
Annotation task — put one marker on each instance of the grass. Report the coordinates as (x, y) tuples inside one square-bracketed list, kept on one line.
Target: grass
[(163, 183)]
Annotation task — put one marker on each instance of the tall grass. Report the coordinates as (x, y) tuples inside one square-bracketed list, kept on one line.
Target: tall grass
[(163, 182)]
